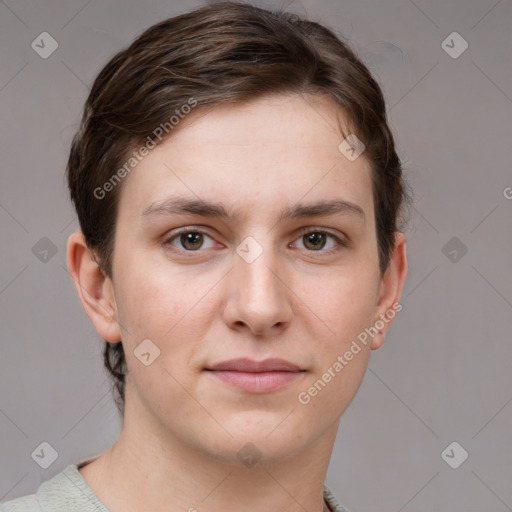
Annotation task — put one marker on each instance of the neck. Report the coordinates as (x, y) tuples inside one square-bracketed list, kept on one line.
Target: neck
[(150, 470)]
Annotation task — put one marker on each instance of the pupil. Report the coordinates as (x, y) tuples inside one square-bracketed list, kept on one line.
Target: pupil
[(314, 238), (194, 239)]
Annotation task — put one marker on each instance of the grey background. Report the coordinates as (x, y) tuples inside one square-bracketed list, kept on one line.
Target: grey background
[(443, 374)]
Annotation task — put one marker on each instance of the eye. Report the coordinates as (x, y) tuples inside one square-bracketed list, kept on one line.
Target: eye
[(190, 240), (320, 241), (193, 240)]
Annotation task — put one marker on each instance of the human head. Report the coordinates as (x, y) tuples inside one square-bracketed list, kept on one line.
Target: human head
[(222, 54)]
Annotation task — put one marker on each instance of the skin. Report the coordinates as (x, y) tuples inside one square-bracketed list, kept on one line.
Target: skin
[(298, 301)]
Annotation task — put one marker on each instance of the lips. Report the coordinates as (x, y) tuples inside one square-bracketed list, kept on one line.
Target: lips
[(257, 377), (250, 366)]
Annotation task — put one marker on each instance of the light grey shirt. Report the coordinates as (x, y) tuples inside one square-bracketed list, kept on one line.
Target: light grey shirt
[(69, 492)]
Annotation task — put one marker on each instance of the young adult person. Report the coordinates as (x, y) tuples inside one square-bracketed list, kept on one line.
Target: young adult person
[(239, 197)]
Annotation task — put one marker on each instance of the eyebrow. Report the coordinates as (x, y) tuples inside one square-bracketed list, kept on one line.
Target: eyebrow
[(182, 205)]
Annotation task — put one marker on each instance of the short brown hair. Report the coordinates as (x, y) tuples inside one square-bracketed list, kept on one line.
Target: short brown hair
[(227, 52)]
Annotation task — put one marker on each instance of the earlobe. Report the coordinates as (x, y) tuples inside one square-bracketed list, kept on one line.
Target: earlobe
[(378, 340), (391, 287), (94, 288)]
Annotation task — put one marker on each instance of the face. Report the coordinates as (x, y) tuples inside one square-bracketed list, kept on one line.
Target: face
[(225, 249)]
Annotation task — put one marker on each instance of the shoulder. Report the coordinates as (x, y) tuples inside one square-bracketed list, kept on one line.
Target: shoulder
[(27, 503), (67, 491)]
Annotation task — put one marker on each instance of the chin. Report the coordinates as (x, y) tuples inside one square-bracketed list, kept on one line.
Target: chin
[(263, 440), (253, 453)]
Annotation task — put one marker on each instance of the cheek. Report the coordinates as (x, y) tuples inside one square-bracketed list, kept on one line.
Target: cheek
[(168, 311), (330, 392), (173, 307), (340, 358), (155, 300), (341, 304), (344, 308)]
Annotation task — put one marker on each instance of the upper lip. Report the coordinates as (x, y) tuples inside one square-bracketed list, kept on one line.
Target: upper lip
[(248, 365)]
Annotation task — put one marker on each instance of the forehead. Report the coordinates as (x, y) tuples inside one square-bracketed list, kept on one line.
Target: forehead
[(269, 152)]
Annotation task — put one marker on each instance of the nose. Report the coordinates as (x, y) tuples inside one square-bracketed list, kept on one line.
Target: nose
[(257, 295)]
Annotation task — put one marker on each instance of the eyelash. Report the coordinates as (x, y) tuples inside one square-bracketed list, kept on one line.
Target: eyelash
[(306, 231)]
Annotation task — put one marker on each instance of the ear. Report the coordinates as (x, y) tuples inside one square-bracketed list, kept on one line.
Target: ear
[(391, 290), (95, 289)]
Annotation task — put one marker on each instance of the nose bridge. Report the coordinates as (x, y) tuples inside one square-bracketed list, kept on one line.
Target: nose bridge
[(255, 269), (258, 298)]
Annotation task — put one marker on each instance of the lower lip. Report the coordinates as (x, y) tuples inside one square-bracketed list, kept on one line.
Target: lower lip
[(262, 382)]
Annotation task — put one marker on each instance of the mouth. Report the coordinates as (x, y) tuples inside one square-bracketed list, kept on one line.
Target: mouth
[(256, 377)]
